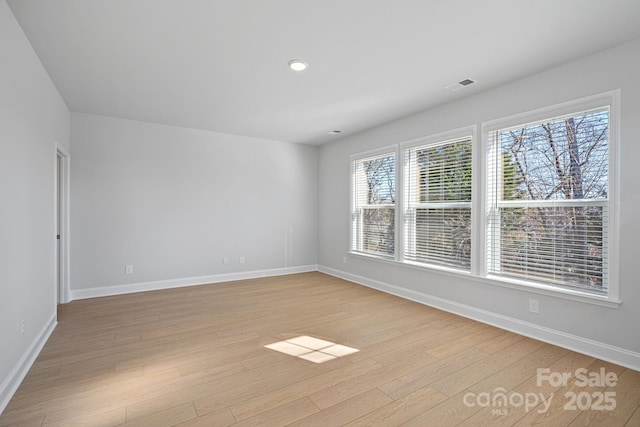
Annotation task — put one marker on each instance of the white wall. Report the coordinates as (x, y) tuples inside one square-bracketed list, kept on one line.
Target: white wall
[(567, 322), (173, 202), (32, 117)]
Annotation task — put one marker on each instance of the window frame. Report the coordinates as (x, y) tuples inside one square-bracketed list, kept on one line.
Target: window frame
[(609, 99), (479, 214), (353, 249), (469, 132)]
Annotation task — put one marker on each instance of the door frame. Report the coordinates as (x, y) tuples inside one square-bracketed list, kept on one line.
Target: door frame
[(62, 166)]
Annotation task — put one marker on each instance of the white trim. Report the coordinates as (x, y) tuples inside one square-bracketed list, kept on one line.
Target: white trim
[(14, 379), (407, 214), (614, 194), (600, 350), (505, 282), (442, 138), (399, 214), (363, 156), (130, 288), (610, 99), (65, 227), (478, 205), (551, 203)]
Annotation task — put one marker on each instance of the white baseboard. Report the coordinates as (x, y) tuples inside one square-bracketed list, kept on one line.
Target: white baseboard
[(188, 281), (610, 353), (20, 370)]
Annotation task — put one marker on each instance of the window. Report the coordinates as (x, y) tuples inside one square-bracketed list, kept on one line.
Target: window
[(438, 203), (530, 206), (373, 205), (548, 201)]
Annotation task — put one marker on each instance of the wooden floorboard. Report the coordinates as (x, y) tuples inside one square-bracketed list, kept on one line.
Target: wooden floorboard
[(195, 357)]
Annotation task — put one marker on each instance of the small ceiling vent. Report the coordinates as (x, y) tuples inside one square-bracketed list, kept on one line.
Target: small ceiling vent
[(459, 85)]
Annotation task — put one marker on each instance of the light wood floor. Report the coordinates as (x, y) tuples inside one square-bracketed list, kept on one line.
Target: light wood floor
[(196, 357)]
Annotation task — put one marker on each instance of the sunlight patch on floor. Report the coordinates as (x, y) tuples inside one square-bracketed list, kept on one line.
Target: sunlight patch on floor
[(311, 349)]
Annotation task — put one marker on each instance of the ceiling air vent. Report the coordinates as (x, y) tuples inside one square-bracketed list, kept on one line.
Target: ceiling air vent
[(459, 85)]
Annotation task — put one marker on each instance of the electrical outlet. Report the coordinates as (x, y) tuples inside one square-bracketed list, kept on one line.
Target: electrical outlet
[(225, 260), (22, 328), (128, 269), (344, 259), (534, 306), (242, 260)]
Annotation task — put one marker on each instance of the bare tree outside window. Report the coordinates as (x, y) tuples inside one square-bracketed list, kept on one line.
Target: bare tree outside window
[(374, 205), (551, 200)]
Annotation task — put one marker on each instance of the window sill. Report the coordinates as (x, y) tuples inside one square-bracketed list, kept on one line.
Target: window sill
[(568, 294)]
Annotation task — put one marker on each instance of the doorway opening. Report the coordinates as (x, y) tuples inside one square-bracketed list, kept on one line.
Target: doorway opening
[(62, 225)]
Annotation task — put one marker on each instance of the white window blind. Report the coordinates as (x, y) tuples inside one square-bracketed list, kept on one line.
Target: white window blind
[(373, 210), (438, 204), (548, 201)]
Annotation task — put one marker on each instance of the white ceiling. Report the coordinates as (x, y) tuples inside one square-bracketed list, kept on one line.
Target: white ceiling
[(221, 65)]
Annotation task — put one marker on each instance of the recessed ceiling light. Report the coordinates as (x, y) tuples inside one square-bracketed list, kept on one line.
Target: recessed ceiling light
[(298, 65)]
